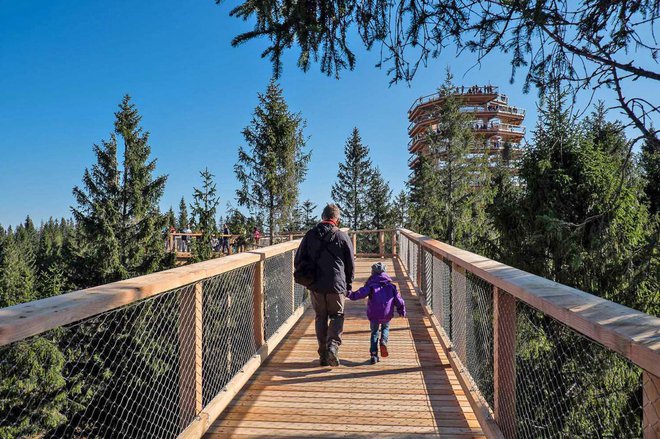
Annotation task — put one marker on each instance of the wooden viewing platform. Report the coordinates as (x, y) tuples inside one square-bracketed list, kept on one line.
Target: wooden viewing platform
[(413, 391)]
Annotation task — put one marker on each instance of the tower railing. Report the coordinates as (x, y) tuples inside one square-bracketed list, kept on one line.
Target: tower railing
[(155, 356), (537, 358)]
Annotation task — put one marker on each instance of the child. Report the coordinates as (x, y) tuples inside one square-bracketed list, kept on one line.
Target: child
[(383, 297)]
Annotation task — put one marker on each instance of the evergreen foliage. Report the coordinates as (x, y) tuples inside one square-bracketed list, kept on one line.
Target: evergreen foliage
[(424, 188), (309, 218), (170, 218), (578, 220), (33, 266), (353, 177), (450, 199), (561, 44), (464, 180), (650, 163), (203, 209), (400, 210), (18, 280), (183, 220), (119, 232), (274, 162), (378, 202)]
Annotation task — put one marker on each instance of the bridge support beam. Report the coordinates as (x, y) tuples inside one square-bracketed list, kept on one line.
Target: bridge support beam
[(190, 346), (504, 353)]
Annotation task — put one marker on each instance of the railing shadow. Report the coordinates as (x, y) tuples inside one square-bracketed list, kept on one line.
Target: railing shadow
[(431, 363)]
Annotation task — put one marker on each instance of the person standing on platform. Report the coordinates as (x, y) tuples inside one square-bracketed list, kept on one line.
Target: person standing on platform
[(324, 263)]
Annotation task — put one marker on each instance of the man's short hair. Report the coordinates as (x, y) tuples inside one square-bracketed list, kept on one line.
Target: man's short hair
[(330, 211)]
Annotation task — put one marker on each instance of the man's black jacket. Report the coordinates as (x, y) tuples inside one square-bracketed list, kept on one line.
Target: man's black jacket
[(335, 265)]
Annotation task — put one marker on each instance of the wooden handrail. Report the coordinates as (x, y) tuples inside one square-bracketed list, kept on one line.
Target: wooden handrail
[(626, 331), (352, 232), (32, 318), (197, 234)]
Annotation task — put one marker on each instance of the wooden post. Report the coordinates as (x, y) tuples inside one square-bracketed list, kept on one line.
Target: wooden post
[(229, 243), (293, 282), (504, 353), (459, 312), (190, 346), (354, 242), (394, 243), (420, 257), (381, 244), (258, 303), (651, 404)]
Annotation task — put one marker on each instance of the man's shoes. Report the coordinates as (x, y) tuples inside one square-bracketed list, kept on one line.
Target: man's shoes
[(383, 351), (333, 359), (374, 359), (323, 360)]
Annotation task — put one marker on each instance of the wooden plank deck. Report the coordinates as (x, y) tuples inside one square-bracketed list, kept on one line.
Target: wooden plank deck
[(414, 392)]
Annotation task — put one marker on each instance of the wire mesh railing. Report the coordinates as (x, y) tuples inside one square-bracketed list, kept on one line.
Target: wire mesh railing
[(151, 366), (278, 291), (540, 374)]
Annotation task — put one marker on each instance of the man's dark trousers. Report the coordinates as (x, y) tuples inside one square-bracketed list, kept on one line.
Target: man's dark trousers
[(328, 306)]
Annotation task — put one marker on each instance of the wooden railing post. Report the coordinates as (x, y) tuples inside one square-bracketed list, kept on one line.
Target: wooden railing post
[(190, 346), (419, 257), (381, 244), (354, 236), (394, 243), (651, 404), (293, 281), (258, 303), (504, 365), (459, 311)]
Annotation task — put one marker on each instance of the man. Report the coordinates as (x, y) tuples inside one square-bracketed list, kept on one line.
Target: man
[(225, 239), (331, 251)]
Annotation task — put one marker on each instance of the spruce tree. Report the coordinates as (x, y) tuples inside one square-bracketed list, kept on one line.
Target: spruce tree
[(352, 178), (424, 190), (308, 208), (463, 179), (183, 220), (119, 223), (378, 202), (400, 212), (17, 270), (170, 218), (52, 275), (274, 162), (203, 209), (574, 220), (650, 164)]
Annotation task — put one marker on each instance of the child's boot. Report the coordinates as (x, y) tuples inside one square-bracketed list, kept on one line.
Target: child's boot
[(383, 351)]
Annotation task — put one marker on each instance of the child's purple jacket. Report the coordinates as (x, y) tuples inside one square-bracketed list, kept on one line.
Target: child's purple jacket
[(383, 297)]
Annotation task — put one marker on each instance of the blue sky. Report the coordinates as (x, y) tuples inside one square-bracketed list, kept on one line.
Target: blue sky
[(66, 65)]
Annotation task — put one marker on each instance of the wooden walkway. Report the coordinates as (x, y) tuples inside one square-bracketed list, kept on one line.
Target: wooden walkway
[(414, 392)]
